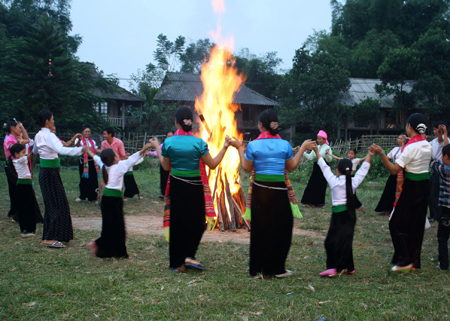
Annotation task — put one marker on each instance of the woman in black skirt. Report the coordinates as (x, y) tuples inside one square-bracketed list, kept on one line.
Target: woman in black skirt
[(111, 242), (386, 203), (314, 194), (131, 187), (271, 209), (89, 172), (182, 153), (407, 222), (57, 220)]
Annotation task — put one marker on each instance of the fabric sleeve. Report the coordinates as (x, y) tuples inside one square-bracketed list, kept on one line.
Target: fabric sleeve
[(391, 154), (328, 157), (35, 149), (103, 145), (249, 152), (153, 153), (55, 144), (327, 173), (98, 160), (309, 156), (438, 166), (9, 142), (164, 152), (203, 148), (126, 164), (289, 152), (360, 174), (121, 150), (22, 160), (76, 142), (405, 158)]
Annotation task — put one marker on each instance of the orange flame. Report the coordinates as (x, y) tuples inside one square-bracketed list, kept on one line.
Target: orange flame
[(220, 82)]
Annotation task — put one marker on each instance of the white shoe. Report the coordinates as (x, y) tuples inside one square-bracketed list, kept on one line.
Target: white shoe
[(286, 274), (78, 200)]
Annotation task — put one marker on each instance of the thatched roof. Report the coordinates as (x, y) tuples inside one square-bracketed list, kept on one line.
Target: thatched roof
[(187, 87), (116, 92), (362, 88)]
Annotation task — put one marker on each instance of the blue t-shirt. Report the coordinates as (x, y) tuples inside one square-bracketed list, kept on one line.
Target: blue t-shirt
[(269, 155), (184, 151)]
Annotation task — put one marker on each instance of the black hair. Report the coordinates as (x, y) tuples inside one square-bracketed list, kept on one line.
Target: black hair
[(107, 155), (344, 166), (182, 114), (446, 150), (439, 122), (10, 123), (110, 130), (16, 148), (353, 150), (86, 125), (266, 118), (25, 124), (417, 122), (42, 116)]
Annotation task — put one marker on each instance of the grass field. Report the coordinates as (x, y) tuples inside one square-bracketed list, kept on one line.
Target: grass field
[(38, 283)]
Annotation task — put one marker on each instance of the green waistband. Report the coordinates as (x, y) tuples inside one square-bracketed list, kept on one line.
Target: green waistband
[(417, 177), (177, 172), (129, 173), (112, 192), (269, 178), (50, 163), (338, 208), (24, 181)]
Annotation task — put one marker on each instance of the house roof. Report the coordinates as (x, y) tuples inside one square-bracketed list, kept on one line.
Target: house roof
[(116, 92), (187, 87), (362, 88)]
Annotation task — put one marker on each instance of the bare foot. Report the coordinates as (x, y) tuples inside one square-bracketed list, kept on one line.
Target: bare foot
[(93, 247)]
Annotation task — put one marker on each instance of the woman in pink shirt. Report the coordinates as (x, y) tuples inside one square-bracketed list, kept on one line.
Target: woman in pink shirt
[(15, 133)]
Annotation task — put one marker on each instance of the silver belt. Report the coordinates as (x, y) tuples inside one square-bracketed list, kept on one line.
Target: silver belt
[(271, 187)]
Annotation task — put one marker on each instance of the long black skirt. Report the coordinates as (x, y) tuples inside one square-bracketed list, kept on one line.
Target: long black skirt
[(88, 186), (407, 224), (111, 242), (57, 220), (13, 197), (29, 210), (163, 176), (271, 233), (187, 219), (315, 190), (339, 242), (386, 203), (131, 187)]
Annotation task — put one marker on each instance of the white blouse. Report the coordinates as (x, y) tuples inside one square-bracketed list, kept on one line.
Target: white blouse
[(87, 143), (48, 146), (416, 157), (21, 166), (116, 172), (395, 153), (322, 149), (337, 184)]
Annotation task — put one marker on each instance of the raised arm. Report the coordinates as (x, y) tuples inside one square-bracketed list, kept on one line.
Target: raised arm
[(246, 164), (392, 168), (327, 152), (214, 162), (25, 139), (292, 163), (165, 161)]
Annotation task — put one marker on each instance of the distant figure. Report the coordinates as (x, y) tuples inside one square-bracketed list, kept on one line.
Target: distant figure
[(131, 187), (163, 174)]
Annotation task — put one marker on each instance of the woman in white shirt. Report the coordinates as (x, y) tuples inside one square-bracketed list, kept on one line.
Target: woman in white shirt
[(314, 194), (111, 242), (338, 243), (57, 221), (407, 222), (386, 203), (89, 171), (28, 210)]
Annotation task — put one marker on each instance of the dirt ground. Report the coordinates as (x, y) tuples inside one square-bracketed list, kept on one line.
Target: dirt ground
[(152, 225)]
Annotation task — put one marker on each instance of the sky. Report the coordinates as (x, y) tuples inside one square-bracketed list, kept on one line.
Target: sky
[(119, 36)]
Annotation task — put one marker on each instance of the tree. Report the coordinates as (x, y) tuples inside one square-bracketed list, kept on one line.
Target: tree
[(312, 90), (366, 112), (194, 56), (168, 53), (399, 66)]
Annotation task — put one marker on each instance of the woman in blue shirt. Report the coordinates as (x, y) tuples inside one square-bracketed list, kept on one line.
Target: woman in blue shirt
[(271, 213), (181, 154)]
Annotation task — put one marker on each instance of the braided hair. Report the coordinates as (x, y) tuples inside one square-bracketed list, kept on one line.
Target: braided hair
[(107, 155), (344, 166)]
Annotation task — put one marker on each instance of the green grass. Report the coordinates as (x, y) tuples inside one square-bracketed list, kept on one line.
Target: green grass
[(38, 283)]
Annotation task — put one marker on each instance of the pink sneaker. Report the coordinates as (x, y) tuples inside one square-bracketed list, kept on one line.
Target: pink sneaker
[(350, 272), (329, 273)]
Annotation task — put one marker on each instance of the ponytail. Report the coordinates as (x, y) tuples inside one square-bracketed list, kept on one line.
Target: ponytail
[(345, 167), (11, 167), (107, 155), (105, 175)]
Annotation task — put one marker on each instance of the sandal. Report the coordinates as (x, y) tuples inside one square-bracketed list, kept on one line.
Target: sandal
[(180, 269), (55, 245), (286, 274)]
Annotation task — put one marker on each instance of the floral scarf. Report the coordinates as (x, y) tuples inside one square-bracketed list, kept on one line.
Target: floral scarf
[(401, 174), (291, 195), (209, 204), (86, 159)]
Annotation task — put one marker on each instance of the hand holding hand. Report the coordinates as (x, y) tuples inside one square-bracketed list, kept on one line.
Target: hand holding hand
[(153, 142), (147, 146), (296, 149), (227, 142), (309, 144), (235, 142), (375, 149), (442, 129)]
